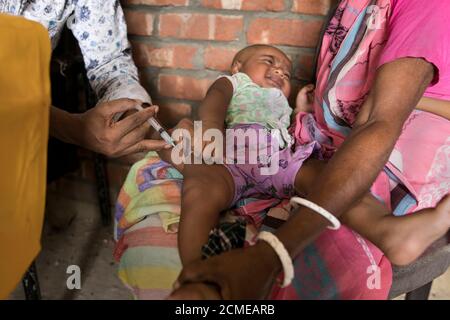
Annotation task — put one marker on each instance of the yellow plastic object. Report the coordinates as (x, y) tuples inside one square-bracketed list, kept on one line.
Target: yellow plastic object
[(24, 120)]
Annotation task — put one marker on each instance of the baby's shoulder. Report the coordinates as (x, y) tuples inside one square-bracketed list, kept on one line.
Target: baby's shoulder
[(240, 81), (243, 80)]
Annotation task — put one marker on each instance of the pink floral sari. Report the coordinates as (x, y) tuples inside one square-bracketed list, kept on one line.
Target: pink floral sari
[(418, 172), (416, 176)]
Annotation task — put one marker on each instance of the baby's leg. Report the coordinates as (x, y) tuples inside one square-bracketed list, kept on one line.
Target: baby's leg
[(207, 190), (402, 239), (166, 154), (308, 174)]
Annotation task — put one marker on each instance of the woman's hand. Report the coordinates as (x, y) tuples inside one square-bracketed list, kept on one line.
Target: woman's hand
[(97, 130), (237, 274)]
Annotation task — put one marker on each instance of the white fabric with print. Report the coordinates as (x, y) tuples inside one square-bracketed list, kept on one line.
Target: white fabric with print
[(99, 27)]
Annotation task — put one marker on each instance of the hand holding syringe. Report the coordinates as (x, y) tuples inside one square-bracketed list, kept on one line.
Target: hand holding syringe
[(155, 125)]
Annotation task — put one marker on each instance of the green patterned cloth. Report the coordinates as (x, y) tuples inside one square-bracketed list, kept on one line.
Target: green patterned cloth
[(253, 104)]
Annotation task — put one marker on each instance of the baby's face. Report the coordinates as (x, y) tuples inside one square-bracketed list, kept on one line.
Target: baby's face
[(269, 68)]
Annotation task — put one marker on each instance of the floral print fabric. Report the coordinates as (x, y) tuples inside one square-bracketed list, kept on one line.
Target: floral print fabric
[(99, 27)]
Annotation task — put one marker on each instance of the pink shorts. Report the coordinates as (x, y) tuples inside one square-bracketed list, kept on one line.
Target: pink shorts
[(255, 181)]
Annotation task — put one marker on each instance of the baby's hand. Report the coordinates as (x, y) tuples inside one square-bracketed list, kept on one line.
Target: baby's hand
[(305, 99), (196, 141)]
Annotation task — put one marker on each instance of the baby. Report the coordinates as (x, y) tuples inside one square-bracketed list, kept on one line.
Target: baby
[(254, 98)]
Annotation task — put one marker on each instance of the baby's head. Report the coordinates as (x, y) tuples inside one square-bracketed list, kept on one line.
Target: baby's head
[(267, 66)]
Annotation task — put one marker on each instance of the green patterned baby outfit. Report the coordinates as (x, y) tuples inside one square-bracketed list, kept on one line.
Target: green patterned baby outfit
[(265, 106)]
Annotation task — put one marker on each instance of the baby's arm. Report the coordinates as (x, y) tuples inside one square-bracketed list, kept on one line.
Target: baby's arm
[(199, 214), (213, 109)]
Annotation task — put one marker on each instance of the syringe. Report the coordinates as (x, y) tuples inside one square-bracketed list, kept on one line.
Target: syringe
[(155, 125)]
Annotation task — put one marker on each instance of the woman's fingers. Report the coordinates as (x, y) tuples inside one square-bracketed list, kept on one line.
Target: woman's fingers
[(112, 111), (195, 291), (130, 123), (114, 139), (207, 272), (234, 273), (146, 146), (200, 271), (192, 273), (136, 135)]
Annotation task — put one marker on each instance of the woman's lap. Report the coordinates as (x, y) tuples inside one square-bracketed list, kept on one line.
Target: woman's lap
[(148, 259), (335, 266), (339, 264)]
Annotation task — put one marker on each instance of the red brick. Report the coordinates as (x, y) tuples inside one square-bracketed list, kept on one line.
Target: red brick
[(227, 28), (218, 58), (292, 32), (177, 56), (200, 26), (256, 5), (183, 87), (320, 7), (170, 113), (139, 23), (157, 2)]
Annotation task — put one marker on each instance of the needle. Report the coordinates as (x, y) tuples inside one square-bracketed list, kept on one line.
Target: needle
[(157, 126)]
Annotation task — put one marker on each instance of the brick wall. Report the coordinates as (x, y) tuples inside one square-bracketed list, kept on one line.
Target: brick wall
[(181, 46)]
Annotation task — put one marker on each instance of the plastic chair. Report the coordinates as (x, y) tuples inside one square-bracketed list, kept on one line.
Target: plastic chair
[(414, 280)]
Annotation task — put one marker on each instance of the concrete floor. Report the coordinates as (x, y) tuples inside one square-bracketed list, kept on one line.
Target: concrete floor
[(89, 245), (84, 243)]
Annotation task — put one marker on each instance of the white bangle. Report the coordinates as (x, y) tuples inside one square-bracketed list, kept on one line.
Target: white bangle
[(318, 209), (286, 262)]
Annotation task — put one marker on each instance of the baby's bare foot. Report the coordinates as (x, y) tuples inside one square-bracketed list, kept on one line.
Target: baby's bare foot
[(417, 232)]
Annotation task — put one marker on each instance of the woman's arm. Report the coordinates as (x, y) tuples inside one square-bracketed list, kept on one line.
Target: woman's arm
[(397, 89), (213, 109), (436, 106), (348, 176)]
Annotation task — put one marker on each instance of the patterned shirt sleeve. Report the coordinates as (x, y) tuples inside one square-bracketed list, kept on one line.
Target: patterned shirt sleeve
[(100, 29)]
